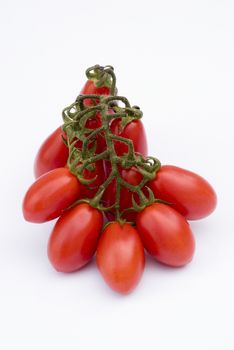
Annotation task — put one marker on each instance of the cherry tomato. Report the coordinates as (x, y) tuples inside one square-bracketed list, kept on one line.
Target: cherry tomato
[(120, 257), (165, 234), (133, 131), (188, 192), (52, 154), (50, 194), (131, 176), (74, 238)]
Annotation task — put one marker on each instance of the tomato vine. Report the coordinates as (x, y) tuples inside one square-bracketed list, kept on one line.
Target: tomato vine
[(75, 118), (104, 168)]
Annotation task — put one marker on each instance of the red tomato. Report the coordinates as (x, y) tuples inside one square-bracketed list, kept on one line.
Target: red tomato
[(74, 238), (50, 194), (188, 192), (52, 154), (166, 235), (133, 131), (131, 176), (95, 123), (120, 257), (91, 89)]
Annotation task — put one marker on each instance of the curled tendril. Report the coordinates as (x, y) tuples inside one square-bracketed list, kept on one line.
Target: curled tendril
[(143, 199)]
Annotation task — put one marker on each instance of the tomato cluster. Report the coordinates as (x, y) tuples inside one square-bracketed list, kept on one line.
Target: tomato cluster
[(95, 170)]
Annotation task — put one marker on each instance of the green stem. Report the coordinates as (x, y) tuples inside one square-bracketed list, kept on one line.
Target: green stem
[(75, 119), (103, 76), (126, 141), (123, 99), (88, 139)]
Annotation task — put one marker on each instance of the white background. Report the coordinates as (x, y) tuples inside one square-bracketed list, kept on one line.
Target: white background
[(175, 59)]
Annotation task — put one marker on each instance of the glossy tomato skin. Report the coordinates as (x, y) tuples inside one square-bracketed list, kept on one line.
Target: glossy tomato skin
[(50, 194), (74, 238), (133, 131), (166, 235), (120, 257), (189, 193), (52, 154), (91, 89)]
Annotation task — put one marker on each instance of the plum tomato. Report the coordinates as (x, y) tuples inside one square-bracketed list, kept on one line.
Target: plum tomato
[(120, 257), (74, 238), (188, 193), (52, 154), (50, 194), (165, 234), (133, 131)]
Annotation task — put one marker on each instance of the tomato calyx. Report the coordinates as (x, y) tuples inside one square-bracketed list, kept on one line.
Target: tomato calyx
[(121, 221)]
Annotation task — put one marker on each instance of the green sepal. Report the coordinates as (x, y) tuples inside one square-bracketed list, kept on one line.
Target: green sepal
[(125, 121), (136, 206), (85, 181)]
